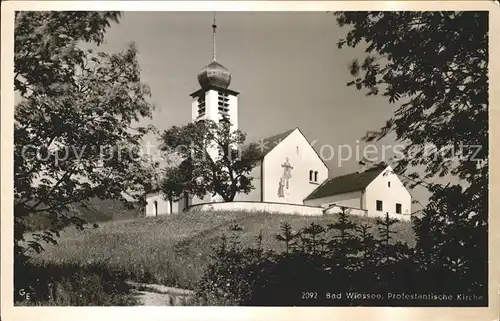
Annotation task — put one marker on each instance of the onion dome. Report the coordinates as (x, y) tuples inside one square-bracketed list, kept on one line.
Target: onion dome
[(214, 74)]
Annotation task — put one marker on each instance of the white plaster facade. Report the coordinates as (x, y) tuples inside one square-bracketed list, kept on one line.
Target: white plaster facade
[(351, 199), (269, 171), (255, 194), (296, 151), (386, 188), (157, 205), (281, 176), (271, 208), (336, 209), (211, 106), (287, 174), (389, 189)]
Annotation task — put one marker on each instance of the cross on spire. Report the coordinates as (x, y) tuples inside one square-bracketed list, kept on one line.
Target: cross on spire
[(214, 26)]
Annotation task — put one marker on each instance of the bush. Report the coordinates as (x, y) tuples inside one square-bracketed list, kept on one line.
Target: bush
[(343, 258), (70, 285)]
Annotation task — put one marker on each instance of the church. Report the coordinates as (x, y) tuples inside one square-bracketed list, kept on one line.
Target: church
[(289, 170)]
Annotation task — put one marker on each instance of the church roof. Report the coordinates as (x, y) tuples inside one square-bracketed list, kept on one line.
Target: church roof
[(265, 145), (346, 183)]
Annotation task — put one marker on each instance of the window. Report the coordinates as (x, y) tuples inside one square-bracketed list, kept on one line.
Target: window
[(155, 204), (379, 205), (313, 176), (388, 184), (223, 104), (201, 106), (398, 208)]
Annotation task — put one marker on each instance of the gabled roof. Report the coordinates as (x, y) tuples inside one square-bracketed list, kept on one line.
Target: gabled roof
[(346, 183), (265, 145)]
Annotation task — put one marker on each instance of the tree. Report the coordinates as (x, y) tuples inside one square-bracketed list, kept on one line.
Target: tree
[(434, 64), (76, 134), (367, 246), (288, 236), (213, 160), (345, 244)]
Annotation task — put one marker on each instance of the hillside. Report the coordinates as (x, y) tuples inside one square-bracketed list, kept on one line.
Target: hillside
[(174, 250), (97, 210)]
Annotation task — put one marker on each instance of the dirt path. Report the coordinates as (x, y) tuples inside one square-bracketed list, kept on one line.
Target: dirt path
[(160, 295)]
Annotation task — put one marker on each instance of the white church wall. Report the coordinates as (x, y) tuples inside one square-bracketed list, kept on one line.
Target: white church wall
[(211, 105), (255, 194), (271, 208), (337, 209), (163, 205), (352, 199), (379, 189), (194, 109), (233, 112), (302, 157), (197, 200)]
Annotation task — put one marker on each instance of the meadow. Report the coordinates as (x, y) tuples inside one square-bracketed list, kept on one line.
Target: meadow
[(175, 250)]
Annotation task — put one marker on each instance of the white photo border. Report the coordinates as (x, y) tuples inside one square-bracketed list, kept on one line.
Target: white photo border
[(9, 312)]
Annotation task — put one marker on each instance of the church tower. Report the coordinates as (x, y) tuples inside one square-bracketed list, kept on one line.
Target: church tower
[(214, 100)]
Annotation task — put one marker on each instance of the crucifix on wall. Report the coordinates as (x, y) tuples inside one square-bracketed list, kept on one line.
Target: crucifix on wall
[(285, 178), (287, 171)]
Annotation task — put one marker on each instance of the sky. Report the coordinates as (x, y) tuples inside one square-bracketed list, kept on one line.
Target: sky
[(286, 66)]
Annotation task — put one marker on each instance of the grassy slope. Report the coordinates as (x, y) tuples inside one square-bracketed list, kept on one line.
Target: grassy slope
[(173, 250), (97, 210)]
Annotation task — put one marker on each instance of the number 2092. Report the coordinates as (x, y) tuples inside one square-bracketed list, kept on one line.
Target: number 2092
[(309, 295)]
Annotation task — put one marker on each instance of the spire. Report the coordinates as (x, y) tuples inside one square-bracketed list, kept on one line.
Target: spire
[(214, 74), (214, 26)]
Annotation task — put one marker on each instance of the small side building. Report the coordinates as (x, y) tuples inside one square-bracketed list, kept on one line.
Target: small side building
[(157, 204), (376, 191)]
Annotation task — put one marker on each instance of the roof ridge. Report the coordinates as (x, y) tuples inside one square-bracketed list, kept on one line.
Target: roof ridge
[(273, 139), (365, 171), (320, 185), (281, 133), (346, 183)]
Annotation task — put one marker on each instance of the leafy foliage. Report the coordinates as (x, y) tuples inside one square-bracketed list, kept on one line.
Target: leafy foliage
[(46, 46), (304, 273), (94, 210), (71, 285), (74, 126), (212, 160), (434, 64)]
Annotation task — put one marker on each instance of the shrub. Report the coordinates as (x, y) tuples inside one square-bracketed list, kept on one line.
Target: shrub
[(341, 258), (70, 285)]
